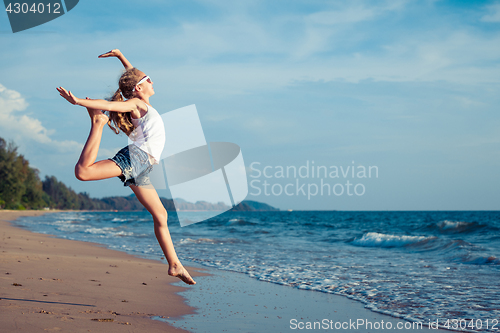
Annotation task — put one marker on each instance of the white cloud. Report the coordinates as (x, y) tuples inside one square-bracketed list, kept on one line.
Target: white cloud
[(318, 51), (238, 52), (493, 13), (352, 14), (324, 29), (24, 129)]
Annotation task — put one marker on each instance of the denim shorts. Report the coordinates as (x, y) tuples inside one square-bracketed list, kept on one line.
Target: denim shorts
[(135, 165)]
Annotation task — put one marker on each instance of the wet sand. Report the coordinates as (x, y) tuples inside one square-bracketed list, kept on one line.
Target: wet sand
[(235, 302), (50, 285)]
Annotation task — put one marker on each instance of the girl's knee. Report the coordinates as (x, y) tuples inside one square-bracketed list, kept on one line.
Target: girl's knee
[(161, 218), (81, 173)]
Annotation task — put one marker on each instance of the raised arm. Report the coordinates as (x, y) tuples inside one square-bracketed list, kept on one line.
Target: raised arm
[(117, 53), (133, 105)]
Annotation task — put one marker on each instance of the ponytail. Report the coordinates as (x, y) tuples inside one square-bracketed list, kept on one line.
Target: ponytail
[(123, 120), (117, 96)]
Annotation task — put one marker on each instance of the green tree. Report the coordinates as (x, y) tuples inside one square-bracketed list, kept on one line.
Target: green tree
[(34, 197), (20, 185), (13, 174), (21, 188), (61, 197)]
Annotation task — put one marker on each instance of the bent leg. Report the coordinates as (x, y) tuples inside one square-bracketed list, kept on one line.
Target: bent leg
[(150, 200), (87, 168)]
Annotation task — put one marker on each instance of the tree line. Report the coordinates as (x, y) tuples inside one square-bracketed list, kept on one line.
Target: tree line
[(22, 188)]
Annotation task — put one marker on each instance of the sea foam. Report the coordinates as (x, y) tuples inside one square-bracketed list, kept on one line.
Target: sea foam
[(375, 239)]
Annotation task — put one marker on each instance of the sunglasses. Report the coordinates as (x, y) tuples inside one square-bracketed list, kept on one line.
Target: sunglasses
[(144, 79)]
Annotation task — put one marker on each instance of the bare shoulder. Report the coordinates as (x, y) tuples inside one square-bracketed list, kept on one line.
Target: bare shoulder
[(137, 104)]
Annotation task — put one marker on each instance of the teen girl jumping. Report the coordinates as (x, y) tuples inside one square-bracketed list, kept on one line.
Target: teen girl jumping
[(143, 125)]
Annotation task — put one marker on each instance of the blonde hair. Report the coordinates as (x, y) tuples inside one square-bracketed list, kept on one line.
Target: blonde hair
[(123, 120)]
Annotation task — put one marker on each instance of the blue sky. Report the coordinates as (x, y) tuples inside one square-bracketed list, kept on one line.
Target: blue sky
[(411, 87)]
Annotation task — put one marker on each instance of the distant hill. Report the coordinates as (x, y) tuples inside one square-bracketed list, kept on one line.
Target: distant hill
[(258, 205), (182, 204), (22, 188), (131, 203)]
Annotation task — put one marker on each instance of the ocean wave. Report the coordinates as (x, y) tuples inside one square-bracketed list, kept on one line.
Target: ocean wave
[(197, 241), (240, 222), (93, 230), (375, 239), (482, 260), (458, 226), (124, 233), (63, 222), (209, 241), (107, 231)]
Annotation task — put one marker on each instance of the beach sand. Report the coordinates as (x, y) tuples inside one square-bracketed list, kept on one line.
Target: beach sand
[(50, 285)]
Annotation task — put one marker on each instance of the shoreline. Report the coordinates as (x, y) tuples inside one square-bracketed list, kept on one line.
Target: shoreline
[(63, 296), (54, 284), (235, 302)]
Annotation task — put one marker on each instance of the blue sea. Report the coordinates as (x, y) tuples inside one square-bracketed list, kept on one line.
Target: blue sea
[(419, 266)]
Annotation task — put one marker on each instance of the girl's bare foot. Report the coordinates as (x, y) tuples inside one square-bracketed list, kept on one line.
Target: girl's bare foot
[(97, 116), (179, 271)]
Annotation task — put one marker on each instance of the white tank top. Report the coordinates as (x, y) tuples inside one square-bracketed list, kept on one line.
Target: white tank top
[(149, 134)]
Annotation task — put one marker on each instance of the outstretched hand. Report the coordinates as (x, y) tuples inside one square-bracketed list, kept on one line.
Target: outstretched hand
[(112, 53), (67, 95), (118, 54)]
